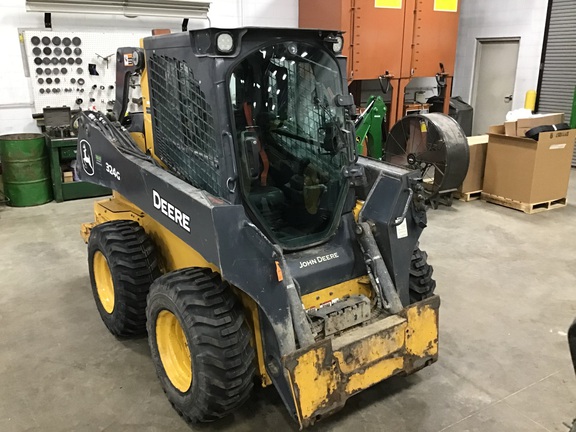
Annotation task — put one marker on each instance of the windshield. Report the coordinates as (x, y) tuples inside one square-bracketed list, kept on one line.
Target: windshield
[(291, 146)]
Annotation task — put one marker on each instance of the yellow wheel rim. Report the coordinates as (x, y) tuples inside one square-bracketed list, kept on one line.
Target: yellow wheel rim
[(174, 351), (104, 283)]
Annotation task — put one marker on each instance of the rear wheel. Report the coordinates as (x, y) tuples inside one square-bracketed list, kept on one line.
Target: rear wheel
[(422, 285), (122, 264), (200, 344)]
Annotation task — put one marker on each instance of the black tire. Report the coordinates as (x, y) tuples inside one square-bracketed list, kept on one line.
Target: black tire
[(222, 359), (422, 285), (133, 266)]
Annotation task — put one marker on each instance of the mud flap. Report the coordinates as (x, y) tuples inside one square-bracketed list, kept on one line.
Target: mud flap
[(323, 376)]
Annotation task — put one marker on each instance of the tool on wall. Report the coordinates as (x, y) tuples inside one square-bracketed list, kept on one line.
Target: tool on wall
[(105, 59)]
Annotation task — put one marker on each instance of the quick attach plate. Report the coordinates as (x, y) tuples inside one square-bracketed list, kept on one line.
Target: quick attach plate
[(343, 314)]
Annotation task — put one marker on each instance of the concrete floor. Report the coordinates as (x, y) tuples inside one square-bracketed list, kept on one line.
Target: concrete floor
[(508, 287)]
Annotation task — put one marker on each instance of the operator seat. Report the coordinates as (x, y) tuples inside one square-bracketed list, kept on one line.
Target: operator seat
[(267, 199)]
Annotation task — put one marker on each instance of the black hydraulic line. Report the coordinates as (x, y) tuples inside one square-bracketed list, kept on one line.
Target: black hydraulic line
[(378, 270)]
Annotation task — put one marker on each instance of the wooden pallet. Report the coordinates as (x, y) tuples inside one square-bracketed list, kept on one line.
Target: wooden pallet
[(524, 207), (467, 196)]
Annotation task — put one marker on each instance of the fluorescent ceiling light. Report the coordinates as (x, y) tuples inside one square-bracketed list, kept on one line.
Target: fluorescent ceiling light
[(129, 8)]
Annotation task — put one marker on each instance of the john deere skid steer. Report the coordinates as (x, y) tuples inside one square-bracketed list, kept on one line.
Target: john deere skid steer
[(245, 235)]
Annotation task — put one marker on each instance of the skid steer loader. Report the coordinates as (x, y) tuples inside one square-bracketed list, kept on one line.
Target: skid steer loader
[(245, 235)]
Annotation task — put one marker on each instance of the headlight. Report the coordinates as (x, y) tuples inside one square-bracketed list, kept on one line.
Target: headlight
[(338, 45), (225, 43)]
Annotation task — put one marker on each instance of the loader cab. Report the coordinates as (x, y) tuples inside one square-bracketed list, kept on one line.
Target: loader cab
[(291, 145)]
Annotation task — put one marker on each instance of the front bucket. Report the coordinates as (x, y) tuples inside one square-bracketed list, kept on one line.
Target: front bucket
[(325, 375)]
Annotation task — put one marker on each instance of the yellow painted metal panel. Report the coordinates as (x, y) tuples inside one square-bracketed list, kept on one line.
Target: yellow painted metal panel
[(446, 5), (374, 348), (360, 285), (315, 381), (325, 375), (374, 374), (388, 4), (422, 336)]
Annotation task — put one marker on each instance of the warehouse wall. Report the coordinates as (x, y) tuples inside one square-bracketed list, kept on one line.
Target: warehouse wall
[(525, 19), (15, 91)]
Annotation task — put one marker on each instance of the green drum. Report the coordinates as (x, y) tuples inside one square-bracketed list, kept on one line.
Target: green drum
[(26, 169)]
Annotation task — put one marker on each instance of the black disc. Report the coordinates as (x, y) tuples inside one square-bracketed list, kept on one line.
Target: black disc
[(39, 71), (35, 40), (78, 61), (72, 80), (41, 91), (62, 61), (46, 60), (70, 61), (54, 60), (57, 51), (46, 40), (433, 144), (47, 50), (48, 90), (66, 41), (36, 51), (77, 51), (48, 80), (63, 71), (57, 80), (76, 41), (79, 71), (48, 71), (40, 81), (68, 51), (56, 40), (55, 71), (37, 61)]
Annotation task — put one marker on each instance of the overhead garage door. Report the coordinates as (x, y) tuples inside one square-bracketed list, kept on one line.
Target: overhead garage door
[(558, 76)]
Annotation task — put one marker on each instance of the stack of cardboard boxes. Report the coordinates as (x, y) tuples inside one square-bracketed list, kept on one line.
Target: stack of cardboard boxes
[(519, 172)]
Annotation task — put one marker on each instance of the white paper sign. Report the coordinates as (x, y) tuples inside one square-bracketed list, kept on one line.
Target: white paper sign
[(402, 230)]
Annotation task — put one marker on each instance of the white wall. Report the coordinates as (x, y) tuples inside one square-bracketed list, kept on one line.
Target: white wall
[(15, 88), (525, 19)]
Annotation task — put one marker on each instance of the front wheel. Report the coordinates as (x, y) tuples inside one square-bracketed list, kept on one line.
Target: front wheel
[(422, 285), (122, 263), (200, 344)]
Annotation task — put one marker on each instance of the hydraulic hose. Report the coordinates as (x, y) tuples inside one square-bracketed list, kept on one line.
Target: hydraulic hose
[(376, 264)]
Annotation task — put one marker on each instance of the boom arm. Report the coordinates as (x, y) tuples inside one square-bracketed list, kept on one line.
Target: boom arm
[(370, 128)]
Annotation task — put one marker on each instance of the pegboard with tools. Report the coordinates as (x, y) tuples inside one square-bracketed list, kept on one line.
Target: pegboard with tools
[(77, 69)]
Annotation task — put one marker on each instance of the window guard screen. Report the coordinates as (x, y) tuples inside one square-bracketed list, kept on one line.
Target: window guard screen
[(184, 137)]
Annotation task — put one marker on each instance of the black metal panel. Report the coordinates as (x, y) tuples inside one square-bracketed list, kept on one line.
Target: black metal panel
[(336, 261), (220, 232), (385, 203)]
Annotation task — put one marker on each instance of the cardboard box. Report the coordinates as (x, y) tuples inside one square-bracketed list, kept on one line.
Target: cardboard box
[(67, 176), (521, 126), (475, 177), (528, 171)]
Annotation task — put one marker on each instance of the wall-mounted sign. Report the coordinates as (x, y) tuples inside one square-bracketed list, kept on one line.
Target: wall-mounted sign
[(388, 4), (446, 5)]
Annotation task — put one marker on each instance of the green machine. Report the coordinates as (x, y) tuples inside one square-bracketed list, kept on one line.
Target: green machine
[(370, 128)]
